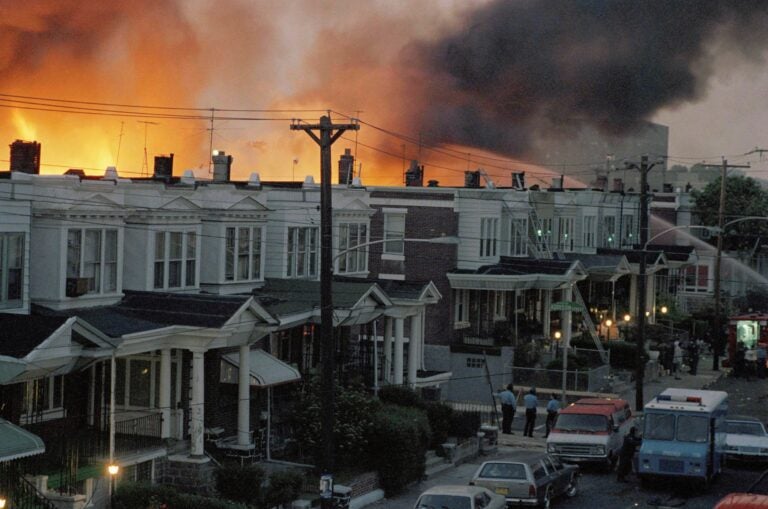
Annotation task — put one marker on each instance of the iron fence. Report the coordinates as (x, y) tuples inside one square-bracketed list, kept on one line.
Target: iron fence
[(18, 491), (592, 380)]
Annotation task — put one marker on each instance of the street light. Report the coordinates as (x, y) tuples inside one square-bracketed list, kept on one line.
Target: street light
[(627, 319), (2, 502), (113, 470), (608, 324)]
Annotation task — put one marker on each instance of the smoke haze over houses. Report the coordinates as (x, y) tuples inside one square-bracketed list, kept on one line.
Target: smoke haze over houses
[(487, 77)]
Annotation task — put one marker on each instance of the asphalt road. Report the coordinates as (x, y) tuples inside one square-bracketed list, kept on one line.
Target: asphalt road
[(600, 489)]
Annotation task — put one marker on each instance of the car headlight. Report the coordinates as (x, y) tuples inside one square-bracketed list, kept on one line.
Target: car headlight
[(551, 448), (598, 449)]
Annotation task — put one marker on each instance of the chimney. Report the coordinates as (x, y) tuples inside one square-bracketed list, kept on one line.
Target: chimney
[(518, 180), (618, 186), (25, 157), (557, 183), (414, 175), (601, 182), (433, 183), (222, 165), (163, 169), (472, 179), (346, 167)]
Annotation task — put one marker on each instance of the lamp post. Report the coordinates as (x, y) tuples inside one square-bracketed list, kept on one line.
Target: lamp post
[(3, 501), (113, 470), (627, 319)]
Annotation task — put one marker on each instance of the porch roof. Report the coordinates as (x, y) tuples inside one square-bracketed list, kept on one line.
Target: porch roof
[(602, 267), (16, 442), (520, 274), (267, 370), (677, 256), (655, 260)]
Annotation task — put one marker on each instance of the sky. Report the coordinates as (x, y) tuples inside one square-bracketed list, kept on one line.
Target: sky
[(457, 85)]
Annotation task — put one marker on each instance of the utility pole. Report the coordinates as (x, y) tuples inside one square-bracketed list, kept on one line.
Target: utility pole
[(328, 134), (717, 339), (641, 298)]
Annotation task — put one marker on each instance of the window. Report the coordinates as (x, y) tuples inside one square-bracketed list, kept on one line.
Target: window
[(137, 381), (544, 234), (519, 237), (488, 236), (175, 259), (91, 261), (475, 362), (43, 398), (589, 231), (302, 252), (628, 233), (659, 427), (11, 269), (351, 258), (565, 239), (499, 305), (692, 428), (394, 233), (697, 278), (243, 256), (461, 306), (609, 231)]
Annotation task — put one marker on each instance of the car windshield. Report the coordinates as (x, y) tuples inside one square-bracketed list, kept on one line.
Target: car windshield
[(692, 428), (444, 502), (744, 428), (659, 426), (581, 422), (503, 471)]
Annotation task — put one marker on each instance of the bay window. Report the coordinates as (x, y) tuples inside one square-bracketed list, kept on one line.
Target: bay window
[(302, 252), (91, 261), (11, 269), (243, 254), (175, 263)]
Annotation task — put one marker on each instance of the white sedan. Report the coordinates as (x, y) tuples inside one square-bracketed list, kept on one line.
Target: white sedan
[(460, 497), (746, 439)]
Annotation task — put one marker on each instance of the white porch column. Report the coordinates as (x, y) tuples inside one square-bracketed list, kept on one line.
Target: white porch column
[(387, 370), (398, 353), (633, 296), (567, 315), (165, 392), (650, 297), (244, 397), (197, 412), (413, 349), (547, 313)]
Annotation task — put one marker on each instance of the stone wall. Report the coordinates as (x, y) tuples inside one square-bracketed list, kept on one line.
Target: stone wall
[(364, 483), (189, 476)]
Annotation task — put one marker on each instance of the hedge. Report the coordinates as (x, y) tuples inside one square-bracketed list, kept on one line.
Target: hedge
[(402, 396), (129, 495), (440, 417), (240, 483)]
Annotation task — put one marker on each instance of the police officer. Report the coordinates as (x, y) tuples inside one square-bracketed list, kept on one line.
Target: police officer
[(530, 401), (628, 448), (553, 406), (508, 408)]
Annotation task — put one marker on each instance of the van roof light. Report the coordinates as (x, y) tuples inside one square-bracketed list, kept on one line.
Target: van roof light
[(680, 399)]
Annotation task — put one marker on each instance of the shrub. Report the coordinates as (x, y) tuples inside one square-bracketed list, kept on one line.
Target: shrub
[(464, 424), (130, 495), (399, 395), (623, 354), (440, 417), (398, 443), (284, 486), (241, 484)]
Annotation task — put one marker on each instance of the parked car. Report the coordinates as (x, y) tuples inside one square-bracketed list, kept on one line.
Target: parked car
[(591, 430), (459, 497), (743, 501), (531, 478), (745, 439)]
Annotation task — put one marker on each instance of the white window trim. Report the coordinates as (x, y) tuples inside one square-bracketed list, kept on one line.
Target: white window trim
[(154, 361), (389, 213), (183, 260), (102, 258), (346, 253), (489, 237), (310, 271), (589, 233), (518, 242), (5, 302), (235, 254)]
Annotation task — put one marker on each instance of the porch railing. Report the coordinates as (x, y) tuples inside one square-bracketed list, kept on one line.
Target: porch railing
[(139, 433), (19, 492)]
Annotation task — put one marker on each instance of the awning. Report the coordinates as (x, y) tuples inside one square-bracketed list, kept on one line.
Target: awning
[(16, 442), (266, 369), (10, 368)]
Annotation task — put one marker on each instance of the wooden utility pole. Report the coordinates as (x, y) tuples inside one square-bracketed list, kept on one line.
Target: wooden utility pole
[(717, 345), (328, 134)]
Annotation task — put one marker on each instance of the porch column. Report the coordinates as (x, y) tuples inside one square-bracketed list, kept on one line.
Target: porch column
[(197, 413), (547, 313), (650, 297), (244, 397), (566, 316), (633, 296), (413, 349), (387, 371), (398, 353), (165, 392)]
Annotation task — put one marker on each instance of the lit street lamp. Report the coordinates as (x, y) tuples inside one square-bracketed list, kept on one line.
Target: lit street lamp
[(113, 470), (608, 324), (627, 318), (2, 502)]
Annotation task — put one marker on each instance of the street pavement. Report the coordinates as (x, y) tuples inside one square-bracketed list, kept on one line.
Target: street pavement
[(600, 489)]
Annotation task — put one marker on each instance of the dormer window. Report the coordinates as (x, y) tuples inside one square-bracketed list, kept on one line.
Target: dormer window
[(91, 261)]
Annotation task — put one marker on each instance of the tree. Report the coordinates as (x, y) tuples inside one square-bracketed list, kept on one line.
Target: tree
[(743, 197)]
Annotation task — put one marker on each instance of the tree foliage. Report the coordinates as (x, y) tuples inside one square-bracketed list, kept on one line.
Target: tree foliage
[(743, 197)]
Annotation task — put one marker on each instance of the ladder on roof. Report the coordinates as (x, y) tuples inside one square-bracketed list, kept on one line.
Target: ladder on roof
[(587, 321)]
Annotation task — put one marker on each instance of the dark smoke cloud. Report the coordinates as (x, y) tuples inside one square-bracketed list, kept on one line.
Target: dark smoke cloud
[(521, 70)]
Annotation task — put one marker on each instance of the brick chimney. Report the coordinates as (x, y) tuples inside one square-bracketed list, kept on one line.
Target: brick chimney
[(346, 167), (25, 157), (601, 182), (414, 175), (222, 165), (163, 169), (618, 185), (472, 179)]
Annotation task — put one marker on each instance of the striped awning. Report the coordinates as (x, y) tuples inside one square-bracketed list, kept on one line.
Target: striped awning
[(16, 442)]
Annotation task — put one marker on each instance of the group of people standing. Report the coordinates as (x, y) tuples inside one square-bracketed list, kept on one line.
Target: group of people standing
[(530, 402)]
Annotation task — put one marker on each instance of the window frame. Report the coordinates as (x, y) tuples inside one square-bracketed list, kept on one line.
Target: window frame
[(165, 259), (302, 252), (252, 257), (124, 386), (101, 282), (489, 237), (53, 391), (394, 243), (352, 259), (6, 238), (518, 237), (609, 231), (589, 233), (566, 234)]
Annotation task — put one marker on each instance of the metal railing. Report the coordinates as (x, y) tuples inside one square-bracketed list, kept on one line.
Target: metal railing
[(592, 380), (19, 492)]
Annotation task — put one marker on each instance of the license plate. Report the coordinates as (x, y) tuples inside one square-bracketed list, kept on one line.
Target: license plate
[(502, 491)]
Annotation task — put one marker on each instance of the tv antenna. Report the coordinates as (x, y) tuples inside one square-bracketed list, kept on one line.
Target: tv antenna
[(145, 164)]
